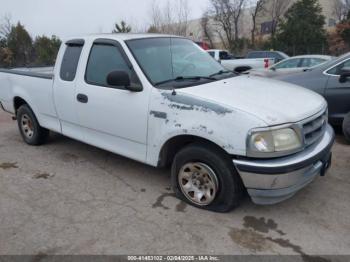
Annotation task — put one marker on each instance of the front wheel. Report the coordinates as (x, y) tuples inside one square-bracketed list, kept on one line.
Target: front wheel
[(31, 132), (346, 127), (204, 177)]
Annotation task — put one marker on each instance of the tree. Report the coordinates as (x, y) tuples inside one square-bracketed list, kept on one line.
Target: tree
[(122, 28), (153, 30), (20, 44), (303, 31), (170, 17), (207, 29), (6, 26), (255, 12), (341, 9), (277, 10), (46, 50), (6, 57), (227, 14)]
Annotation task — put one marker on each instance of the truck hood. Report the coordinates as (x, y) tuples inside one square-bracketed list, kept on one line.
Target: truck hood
[(272, 101)]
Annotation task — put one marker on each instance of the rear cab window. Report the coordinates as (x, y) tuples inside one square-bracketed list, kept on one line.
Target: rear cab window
[(71, 59)]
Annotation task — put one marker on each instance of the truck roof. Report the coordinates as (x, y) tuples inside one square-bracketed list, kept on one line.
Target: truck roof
[(121, 36)]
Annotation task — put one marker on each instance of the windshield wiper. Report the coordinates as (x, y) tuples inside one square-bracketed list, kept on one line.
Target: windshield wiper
[(182, 78), (221, 72)]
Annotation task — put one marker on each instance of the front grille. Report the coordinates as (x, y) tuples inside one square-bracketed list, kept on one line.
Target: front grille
[(314, 129)]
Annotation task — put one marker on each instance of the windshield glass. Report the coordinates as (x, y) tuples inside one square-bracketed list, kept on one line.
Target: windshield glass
[(177, 62)]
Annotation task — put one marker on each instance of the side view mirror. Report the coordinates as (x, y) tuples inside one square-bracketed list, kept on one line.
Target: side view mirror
[(344, 75), (122, 79)]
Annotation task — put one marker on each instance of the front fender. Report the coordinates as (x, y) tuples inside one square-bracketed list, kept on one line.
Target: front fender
[(227, 128)]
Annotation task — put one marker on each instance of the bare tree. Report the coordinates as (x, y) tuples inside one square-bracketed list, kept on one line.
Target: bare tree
[(255, 12), (170, 18), (227, 14), (6, 26), (207, 29), (237, 6), (341, 9), (277, 11)]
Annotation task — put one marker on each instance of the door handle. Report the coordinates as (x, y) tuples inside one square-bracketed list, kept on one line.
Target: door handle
[(82, 98)]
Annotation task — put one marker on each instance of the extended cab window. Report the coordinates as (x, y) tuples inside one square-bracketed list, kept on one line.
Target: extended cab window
[(103, 60), (70, 62)]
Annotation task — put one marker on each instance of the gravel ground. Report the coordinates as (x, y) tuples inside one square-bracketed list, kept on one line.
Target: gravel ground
[(70, 198)]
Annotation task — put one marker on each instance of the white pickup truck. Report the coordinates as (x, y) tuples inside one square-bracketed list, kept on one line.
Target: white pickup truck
[(254, 60), (163, 101)]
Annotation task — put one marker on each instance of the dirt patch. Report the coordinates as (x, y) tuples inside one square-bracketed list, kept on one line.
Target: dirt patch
[(160, 199), (254, 237), (143, 190), (8, 165), (297, 249), (181, 207), (262, 225), (39, 257), (42, 176), (249, 239), (68, 157)]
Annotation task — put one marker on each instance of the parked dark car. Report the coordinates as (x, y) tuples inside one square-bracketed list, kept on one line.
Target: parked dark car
[(332, 80), (277, 55)]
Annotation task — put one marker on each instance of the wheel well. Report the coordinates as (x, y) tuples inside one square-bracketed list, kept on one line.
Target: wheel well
[(242, 69), (18, 102), (175, 144)]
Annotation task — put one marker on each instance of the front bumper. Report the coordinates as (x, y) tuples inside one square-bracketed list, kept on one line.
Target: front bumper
[(275, 180)]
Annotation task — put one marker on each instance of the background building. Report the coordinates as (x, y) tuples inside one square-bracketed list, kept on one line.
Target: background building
[(208, 30)]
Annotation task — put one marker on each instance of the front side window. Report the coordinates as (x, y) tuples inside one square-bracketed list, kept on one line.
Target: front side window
[(103, 60), (165, 59), (311, 62), (292, 63), (338, 69), (70, 62)]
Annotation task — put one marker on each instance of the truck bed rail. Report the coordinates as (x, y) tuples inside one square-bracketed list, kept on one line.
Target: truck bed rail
[(27, 73)]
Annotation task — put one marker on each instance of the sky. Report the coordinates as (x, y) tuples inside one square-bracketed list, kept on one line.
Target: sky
[(66, 18)]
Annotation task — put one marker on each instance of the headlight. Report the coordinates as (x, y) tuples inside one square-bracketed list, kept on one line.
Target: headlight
[(273, 141)]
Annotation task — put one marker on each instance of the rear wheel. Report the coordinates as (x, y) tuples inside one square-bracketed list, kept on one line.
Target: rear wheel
[(346, 127), (31, 132), (204, 177)]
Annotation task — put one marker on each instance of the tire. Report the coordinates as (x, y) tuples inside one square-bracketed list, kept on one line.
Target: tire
[(31, 132), (208, 160), (346, 127)]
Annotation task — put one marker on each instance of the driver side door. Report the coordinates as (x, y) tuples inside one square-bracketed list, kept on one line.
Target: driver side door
[(112, 118), (337, 94)]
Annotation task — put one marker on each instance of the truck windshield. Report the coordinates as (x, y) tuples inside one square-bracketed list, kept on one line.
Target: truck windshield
[(175, 62)]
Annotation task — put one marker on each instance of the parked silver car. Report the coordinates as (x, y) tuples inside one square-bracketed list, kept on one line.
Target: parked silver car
[(291, 65), (332, 80)]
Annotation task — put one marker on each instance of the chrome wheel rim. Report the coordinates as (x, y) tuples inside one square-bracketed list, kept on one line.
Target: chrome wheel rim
[(27, 126), (199, 183)]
